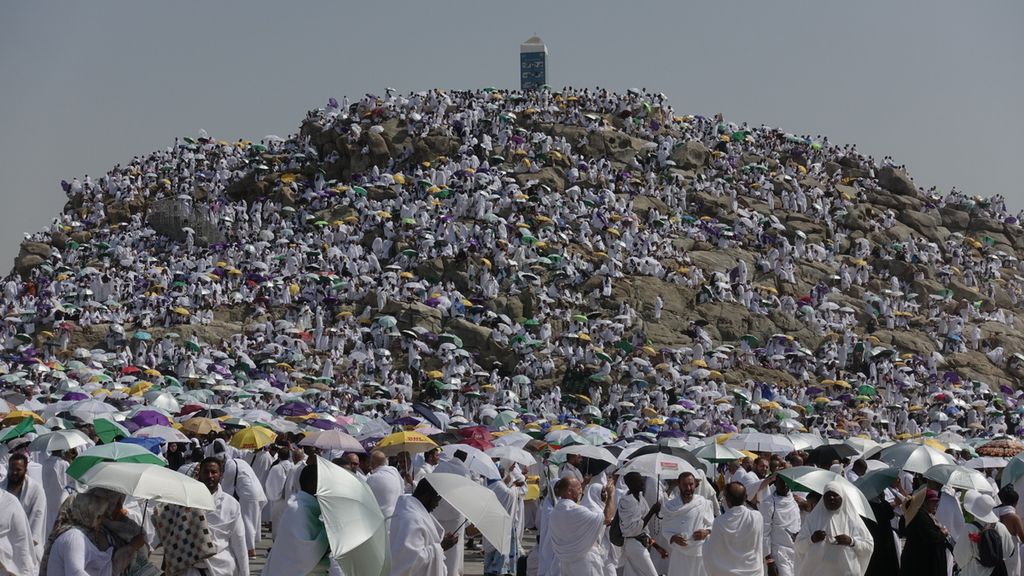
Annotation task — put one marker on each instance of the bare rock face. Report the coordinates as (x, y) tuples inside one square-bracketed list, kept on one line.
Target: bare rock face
[(31, 255), (896, 181), (172, 216), (691, 155)]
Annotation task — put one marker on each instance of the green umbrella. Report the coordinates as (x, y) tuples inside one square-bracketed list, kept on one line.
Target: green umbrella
[(115, 452), (1014, 470), (503, 419), (447, 337), (259, 148), (579, 318), (108, 430), (531, 322), (191, 346), (359, 190), (603, 356), (24, 427), (387, 321), (866, 390), (751, 340)]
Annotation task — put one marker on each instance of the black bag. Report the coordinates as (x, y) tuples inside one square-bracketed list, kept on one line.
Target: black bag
[(990, 549), (615, 532)]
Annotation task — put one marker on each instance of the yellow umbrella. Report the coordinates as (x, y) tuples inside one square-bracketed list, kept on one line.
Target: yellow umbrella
[(152, 372), (140, 387), (16, 416), (181, 311), (253, 438), (584, 337), (201, 426), (407, 441), (700, 363), (435, 374)]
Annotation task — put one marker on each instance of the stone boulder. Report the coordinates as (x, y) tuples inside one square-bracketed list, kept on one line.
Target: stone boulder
[(30, 256), (896, 181), (412, 314), (476, 338), (691, 155)]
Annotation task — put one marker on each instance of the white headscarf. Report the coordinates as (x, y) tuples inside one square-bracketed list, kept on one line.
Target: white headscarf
[(827, 558)]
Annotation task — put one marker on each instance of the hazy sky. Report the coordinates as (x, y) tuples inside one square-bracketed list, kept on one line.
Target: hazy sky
[(86, 85)]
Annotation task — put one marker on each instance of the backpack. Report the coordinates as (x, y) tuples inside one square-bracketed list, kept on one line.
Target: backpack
[(615, 532), (990, 549)]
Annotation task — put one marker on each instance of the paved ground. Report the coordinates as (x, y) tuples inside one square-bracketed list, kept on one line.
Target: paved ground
[(474, 558)]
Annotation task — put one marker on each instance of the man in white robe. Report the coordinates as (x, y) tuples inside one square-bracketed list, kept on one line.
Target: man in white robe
[(30, 494), (833, 540), (17, 555), (781, 525), (277, 479), (576, 531), (687, 523), (735, 546), (417, 542), (592, 498), (634, 514), (510, 491), (241, 481), (386, 483), (226, 527), (452, 521), (545, 556), (571, 467), (300, 547), (55, 482)]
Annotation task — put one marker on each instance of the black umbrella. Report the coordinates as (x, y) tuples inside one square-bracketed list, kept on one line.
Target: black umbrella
[(427, 414), (671, 451), (825, 454)]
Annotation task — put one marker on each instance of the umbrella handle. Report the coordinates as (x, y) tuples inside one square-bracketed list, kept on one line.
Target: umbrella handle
[(145, 508)]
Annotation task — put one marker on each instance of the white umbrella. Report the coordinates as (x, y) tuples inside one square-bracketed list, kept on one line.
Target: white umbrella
[(60, 440), (149, 482), (761, 442), (861, 445), (592, 452), (332, 440), (517, 439), (959, 477), (476, 460), (911, 457), (165, 433), (517, 455), (162, 400), (815, 480), (658, 465), (478, 504), (89, 410), (982, 462), (352, 517)]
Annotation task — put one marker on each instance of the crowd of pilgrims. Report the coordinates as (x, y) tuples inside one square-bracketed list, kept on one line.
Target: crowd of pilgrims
[(321, 268)]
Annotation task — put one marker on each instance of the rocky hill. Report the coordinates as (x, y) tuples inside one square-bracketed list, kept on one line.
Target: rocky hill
[(538, 231)]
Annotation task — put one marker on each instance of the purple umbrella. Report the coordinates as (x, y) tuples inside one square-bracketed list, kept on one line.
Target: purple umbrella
[(150, 418), (294, 409), (75, 396), (322, 424)]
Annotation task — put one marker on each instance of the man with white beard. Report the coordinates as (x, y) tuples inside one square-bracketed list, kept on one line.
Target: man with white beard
[(781, 525), (575, 530), (687, 523)]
